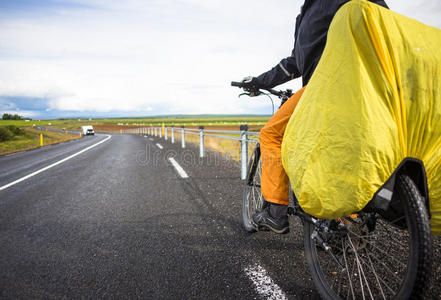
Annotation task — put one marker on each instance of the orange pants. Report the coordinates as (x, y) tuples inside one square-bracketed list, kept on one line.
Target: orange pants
[(274, 181)]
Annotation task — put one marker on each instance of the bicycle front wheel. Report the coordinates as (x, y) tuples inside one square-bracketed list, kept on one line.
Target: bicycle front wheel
[(379, 259), (252, 196)]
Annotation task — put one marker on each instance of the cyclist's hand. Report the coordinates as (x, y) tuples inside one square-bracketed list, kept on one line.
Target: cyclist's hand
[(251, 86), (249, 82)]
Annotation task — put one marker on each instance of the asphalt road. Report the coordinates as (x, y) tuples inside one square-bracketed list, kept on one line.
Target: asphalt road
[(119, 221)]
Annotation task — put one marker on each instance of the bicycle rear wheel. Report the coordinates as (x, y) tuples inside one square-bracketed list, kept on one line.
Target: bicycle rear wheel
[(252, 196), (381, 260)]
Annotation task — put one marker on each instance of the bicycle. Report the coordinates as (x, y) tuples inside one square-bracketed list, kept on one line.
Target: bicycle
[(375, 253)]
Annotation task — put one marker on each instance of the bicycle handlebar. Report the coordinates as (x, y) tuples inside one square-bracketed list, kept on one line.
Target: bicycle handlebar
[(238, 84), (257, 91)]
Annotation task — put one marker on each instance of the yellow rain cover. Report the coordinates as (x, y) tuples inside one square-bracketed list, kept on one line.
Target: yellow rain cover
[(373, 100)]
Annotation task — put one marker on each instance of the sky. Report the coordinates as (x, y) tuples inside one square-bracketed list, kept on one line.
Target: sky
[(111, 58)]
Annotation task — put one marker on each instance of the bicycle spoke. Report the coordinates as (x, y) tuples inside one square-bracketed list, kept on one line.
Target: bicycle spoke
[(385, 284), (384, 265), (391, 235), (375, 273), (396, 220), (349, 273), (387, 254), (375, 236), (358, 268), (361, 270)]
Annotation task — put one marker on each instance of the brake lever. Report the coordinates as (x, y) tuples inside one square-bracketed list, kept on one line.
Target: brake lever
[(251, 93)]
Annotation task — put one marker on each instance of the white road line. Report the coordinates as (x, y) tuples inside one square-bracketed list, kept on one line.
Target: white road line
[(151, 139), (265, 286), (178, 168), (52, 165), (159, 146)]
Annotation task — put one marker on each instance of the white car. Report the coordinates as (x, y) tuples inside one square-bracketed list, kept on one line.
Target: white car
[(87, 130)]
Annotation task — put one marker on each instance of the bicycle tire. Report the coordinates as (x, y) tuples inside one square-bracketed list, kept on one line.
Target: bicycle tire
[(252, 199), (409, 281)]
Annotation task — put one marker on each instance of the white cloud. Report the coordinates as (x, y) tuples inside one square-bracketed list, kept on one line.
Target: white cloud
[(158, 56)]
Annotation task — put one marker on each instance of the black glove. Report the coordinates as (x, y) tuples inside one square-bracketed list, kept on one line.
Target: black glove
[(250, 85), (250, 82)]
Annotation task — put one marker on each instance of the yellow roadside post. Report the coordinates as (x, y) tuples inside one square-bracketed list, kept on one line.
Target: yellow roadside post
[(41, 140), (163, 129), (120, 131)]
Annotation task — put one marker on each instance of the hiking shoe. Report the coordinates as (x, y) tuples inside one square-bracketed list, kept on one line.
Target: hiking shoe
[(273, 217)]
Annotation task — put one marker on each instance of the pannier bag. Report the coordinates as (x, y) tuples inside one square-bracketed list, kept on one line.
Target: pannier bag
[(373, 101)]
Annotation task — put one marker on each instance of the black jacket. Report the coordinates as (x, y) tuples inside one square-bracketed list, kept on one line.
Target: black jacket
[(312, 26)]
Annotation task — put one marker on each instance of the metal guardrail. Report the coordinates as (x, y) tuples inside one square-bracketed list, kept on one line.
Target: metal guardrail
[(243, 135)]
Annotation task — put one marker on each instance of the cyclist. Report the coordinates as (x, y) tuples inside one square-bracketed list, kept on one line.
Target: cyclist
[(311, 29)]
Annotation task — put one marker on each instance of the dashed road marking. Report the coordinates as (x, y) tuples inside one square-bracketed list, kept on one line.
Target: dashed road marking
[(178, 168), (265, 286), (52, 165), (160, 146)]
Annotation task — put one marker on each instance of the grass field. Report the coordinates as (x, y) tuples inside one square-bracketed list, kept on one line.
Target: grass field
[(202, 120), (193, 121), (224, 122), (23, 123), (31, 139)]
